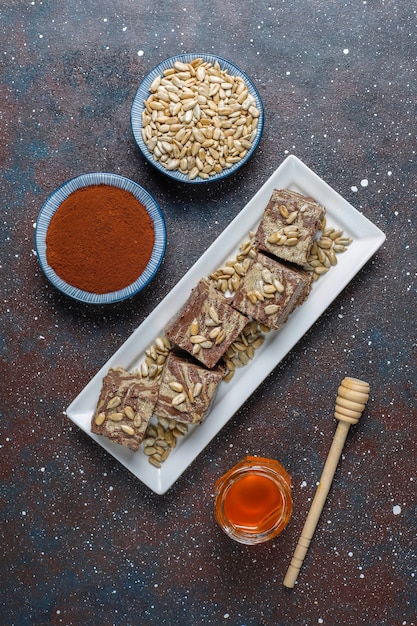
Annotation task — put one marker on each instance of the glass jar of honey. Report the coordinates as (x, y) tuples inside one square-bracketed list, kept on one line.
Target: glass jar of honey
[(253, 500)]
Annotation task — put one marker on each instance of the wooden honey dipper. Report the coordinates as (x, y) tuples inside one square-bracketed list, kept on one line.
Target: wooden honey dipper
[(352, 397)]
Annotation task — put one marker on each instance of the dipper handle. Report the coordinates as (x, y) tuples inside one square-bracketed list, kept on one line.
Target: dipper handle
[(352, 397)]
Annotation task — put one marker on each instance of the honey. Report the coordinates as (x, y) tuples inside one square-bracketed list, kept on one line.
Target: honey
[(253, 500)]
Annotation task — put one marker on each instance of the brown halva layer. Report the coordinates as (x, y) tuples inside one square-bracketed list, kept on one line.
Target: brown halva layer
[(270, 291), (187, 389), (289, 225), (206, 325), (125, 406)]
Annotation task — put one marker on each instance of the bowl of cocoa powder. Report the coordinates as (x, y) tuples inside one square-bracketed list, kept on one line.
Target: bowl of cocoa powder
[(100, 238), (197, 118)]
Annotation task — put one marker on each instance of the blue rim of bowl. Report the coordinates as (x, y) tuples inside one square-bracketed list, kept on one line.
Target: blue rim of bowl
[(54, 201), (143, 93)]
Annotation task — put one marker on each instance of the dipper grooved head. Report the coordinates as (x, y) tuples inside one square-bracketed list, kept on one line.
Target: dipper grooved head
[(352, 396)]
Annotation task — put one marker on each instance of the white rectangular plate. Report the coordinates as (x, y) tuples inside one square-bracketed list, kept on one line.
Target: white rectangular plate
[(367, 238)]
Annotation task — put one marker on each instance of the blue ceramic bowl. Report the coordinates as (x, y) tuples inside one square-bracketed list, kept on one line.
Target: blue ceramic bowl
[(52, 204), (143, 94)]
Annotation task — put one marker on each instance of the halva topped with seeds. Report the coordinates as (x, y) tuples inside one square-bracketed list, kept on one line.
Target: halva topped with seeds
[(124, 408), (206, 325), (221, 331), (289, 225), (187, 389), (270, 291)]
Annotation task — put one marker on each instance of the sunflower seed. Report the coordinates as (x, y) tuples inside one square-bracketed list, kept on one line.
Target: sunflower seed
[(291, 241), (179, 399), (128, 429), (266, 276), (215, 332), (165, 454), (129, 412), (270, 309), (343, 241), (153, 370), (116, 417), (160, 345), (325, 242), (220, 337), (176, 386), (332, 256), (198, 339), (113, 402), (194, 327), (213, 314), (291, 217), (197, 389), (99, 420), (258, 342), (183, 428)]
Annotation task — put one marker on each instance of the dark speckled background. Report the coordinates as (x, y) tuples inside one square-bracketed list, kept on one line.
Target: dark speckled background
[(84, 541)]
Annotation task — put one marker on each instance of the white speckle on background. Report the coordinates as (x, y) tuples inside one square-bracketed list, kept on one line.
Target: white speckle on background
[(396, 509), (354, 188), (346, 51), (364, 182), (140, 53)]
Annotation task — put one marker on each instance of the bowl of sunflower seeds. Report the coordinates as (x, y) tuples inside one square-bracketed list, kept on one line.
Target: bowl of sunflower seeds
[(197, 118)]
